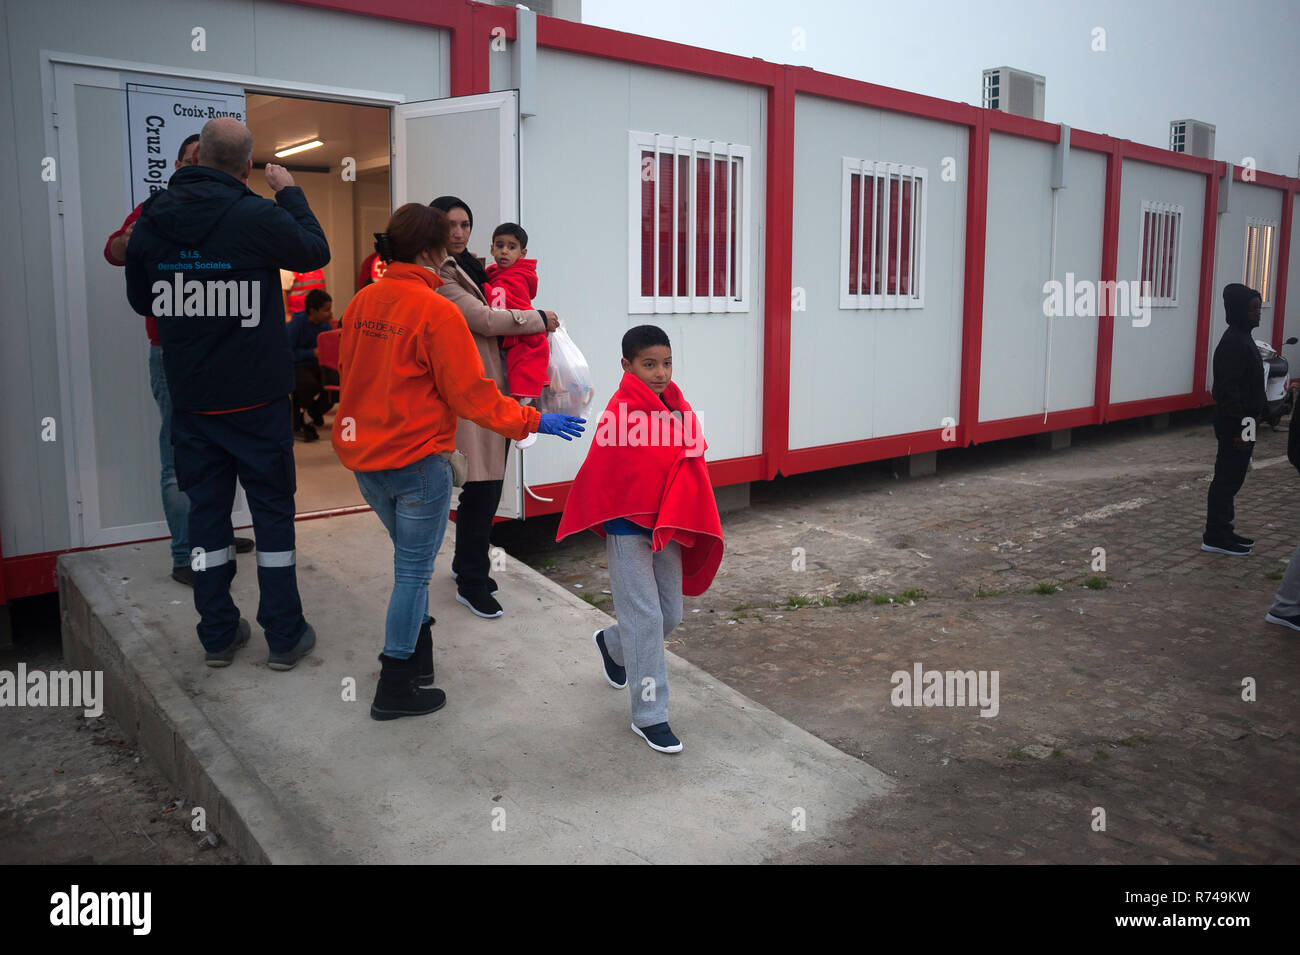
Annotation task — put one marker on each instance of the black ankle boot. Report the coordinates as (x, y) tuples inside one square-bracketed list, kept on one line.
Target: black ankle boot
[(423, 655), (397, 695)]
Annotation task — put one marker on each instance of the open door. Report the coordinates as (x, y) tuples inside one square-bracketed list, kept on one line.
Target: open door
[(100, 116), (466, 146)]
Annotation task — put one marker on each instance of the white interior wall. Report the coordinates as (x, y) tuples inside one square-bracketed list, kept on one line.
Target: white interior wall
[(1014, 347), (1155, 361), (865, 373), (332, 201)]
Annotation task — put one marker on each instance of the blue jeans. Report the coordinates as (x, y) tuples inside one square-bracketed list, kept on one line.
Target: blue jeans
[(176, 504), (412, 502)]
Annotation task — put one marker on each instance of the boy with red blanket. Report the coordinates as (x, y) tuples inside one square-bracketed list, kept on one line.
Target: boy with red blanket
[(512, 283), (645, 489)]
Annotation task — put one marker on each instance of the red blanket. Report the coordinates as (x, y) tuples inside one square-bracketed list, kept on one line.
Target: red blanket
[(647, 464)]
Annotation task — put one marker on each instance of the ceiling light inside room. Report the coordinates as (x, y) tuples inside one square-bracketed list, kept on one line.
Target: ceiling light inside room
[(301, 147)]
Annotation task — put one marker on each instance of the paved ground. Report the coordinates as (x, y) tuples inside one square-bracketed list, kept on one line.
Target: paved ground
[(1127, 698)]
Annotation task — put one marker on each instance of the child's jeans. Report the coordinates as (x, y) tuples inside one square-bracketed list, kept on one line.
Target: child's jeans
[(527, 360), (412, 502), (647, 592)]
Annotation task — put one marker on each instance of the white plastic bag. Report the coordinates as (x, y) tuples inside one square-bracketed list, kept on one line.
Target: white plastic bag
[(571, 389)]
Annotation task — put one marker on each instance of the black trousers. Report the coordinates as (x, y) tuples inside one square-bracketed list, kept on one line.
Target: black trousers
[(255, 445), (1230, 467), (309, 392), (474, 513)]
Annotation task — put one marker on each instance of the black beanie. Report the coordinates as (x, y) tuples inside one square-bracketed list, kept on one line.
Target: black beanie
[(447, 203), (1236, 304)]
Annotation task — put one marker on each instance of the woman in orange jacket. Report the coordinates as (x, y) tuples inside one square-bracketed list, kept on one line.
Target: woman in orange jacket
[(408, 369)]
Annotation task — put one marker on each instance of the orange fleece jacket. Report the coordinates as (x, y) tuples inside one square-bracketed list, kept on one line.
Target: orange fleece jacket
[(408, 368)]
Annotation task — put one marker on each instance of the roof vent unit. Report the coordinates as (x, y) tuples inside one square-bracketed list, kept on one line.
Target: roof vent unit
[(1193, 137), (1014, 91)]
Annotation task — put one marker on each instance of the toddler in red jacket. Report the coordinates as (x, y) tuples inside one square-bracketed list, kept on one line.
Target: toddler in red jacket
[(512, 283)]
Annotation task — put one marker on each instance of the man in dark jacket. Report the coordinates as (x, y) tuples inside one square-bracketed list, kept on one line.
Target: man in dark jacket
[(1240, 399), (204, 258), (1286, 604)]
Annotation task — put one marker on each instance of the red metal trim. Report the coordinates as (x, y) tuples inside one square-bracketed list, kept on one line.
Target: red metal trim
[(778, 282), (1205, 293), (424, 12), (1149, 406), (972, 327), (1283, 271), (1166, 157), (803, 460), (1000, 122), (1270, 179), (1109, 260), (807, 80), (4, 599), (647, 51), (31, 574), (1003, 428), (1096, 142)]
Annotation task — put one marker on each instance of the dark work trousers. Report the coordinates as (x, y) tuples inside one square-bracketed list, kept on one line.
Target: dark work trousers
[(257, 447), (309, 394), (474, 513), (1230, 466)]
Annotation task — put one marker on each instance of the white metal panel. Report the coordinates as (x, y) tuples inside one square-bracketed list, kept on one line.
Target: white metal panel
[(1248, 201), (575, 187), (114, 420), (1155, 360), (864, 373), (1014, 336), (465, 146)]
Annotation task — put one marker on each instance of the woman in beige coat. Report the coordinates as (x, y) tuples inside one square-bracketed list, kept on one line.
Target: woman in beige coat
[(462, 275)]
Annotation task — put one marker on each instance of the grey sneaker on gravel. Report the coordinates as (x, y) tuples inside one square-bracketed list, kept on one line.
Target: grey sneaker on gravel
[(227, 656), (289, 658)]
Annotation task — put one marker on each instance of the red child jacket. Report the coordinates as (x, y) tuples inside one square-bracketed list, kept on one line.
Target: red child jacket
[(517, 284), (647, 465)]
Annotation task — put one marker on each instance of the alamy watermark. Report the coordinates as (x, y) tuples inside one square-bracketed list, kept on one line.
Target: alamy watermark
[(84, 688), (1085, 298), (214, 298), (637, 429), (946, 688)]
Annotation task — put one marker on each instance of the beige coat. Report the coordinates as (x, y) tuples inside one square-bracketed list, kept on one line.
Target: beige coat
[(485, 449)]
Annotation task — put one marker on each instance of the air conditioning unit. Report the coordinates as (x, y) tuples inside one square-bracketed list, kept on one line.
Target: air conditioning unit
[(1014, 91), (1193, 137)]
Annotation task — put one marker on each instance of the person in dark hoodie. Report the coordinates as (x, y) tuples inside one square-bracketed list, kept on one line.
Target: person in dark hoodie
[(1240, 399), (204, 258), (1285, 611)]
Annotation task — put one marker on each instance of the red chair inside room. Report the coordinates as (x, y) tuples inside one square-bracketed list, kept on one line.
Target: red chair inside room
[(327, 351)]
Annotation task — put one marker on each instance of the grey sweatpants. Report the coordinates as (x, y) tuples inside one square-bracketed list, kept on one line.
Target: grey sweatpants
[(647, 592), (1287, 601)]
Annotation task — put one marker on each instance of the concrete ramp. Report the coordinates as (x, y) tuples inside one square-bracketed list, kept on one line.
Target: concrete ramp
[(532, 759)]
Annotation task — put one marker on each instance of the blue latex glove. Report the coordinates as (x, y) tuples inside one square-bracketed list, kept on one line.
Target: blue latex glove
[(565, 426)]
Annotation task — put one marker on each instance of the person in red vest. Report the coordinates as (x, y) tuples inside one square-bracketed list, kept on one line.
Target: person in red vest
[(372, 270), (297, 287), (176, 503)]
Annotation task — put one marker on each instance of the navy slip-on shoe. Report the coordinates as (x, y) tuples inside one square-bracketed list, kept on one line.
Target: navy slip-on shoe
[(659, 738), (615, 675)]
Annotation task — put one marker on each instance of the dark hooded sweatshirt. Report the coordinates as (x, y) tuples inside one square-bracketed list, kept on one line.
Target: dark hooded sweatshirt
[(1238, 371), (205, 259)]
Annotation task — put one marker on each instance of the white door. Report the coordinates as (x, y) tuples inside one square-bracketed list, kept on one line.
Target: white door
[(466, 146), (104, 352)]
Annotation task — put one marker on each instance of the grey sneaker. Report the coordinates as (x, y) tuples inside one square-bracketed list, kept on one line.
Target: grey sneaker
[(227, 656), (289, 658)]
